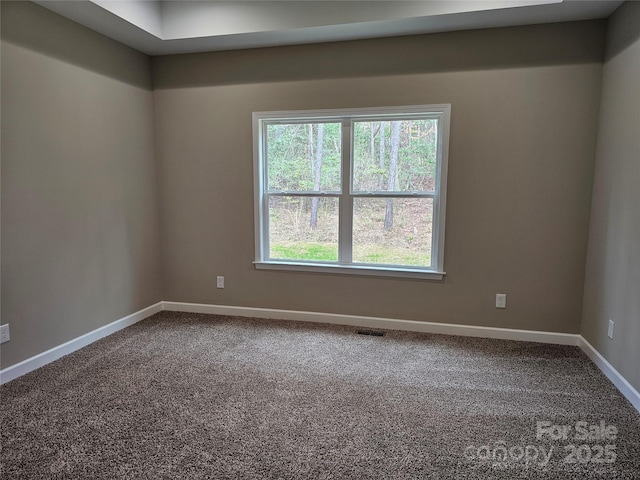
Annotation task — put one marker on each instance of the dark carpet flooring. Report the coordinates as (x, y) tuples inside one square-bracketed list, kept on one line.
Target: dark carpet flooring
[(181, 396)]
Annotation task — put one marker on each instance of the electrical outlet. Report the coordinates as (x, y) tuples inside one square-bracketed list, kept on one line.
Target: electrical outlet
[(610, 332), (220, 282), (5, 336), (501, 300)]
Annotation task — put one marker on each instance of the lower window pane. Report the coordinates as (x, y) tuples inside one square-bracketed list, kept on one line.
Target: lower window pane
[(393, 231), (303, 228)]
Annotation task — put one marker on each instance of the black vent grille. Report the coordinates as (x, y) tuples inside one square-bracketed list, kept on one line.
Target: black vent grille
[(373, 333)]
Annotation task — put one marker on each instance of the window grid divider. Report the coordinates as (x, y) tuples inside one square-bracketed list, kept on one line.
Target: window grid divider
[(345, 229)]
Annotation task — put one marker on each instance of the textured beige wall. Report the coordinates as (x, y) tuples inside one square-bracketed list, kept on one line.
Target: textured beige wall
[(524, 117), (612, 286), (80, 244)]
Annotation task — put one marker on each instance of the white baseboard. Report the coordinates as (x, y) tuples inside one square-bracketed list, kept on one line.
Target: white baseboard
[(425, 327), (378, 322), (611, 373), (37, 361)]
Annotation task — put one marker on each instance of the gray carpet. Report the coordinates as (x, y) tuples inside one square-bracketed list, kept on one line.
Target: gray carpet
[(202, 396)]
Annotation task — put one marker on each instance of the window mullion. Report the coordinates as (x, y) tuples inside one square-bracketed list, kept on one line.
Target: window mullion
[(383, 194), (345, 235), (264, 198)]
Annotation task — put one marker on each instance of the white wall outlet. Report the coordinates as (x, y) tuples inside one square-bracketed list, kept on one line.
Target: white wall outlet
[(610, 332), (5, 336), (501, 300), (220, 282)]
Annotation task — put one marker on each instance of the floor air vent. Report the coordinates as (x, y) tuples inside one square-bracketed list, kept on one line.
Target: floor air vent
[(370, 332)]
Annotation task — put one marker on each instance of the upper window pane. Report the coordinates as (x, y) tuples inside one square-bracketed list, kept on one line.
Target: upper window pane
[(395, 156), (303, 157)]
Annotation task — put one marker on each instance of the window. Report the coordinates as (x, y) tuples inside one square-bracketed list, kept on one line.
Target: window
[(353, 191)]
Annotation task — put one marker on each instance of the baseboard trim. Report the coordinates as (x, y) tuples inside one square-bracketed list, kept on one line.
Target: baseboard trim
[(611, 373), (37, 361), (378, 322), (40, 360), (425, 327)]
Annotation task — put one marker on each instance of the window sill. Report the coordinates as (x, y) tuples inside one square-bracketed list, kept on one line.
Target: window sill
[(370, 271)]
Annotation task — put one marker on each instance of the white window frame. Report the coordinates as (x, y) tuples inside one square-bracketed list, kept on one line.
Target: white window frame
[(347, 117)]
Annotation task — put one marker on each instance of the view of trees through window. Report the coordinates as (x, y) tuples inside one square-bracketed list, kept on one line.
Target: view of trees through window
[(393, 163)]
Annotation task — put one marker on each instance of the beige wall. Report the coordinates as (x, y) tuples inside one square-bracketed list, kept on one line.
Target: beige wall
[(612, 286), (80, 244), (524, 117), (80, 221)]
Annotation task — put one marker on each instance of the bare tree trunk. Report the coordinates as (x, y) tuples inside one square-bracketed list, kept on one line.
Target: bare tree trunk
[(311, 155), (393, 172), (381, 156), (279, 132), (317, 169), (372, 142)]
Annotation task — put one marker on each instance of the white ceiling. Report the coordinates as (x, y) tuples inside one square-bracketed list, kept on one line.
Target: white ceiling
[(182, 26)]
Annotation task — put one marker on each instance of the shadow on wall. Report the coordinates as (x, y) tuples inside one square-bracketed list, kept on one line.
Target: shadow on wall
[(627, 32), (499, 48), (36, 28), (550, 44)]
